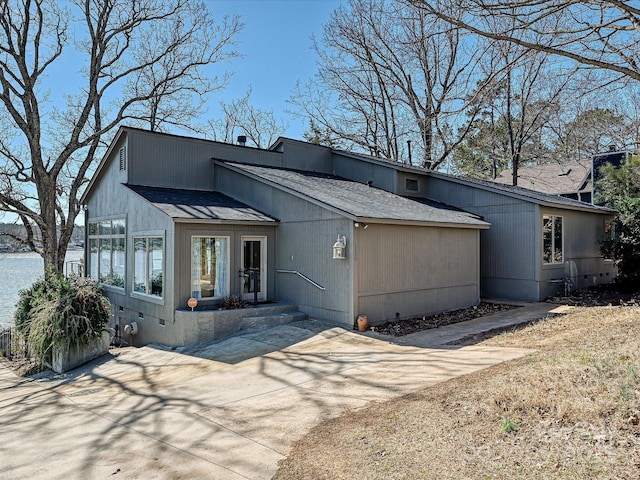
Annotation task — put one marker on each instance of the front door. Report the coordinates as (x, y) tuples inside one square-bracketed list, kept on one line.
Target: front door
[(254, 268)]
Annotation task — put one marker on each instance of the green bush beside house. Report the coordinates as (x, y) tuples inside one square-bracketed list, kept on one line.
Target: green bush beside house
[(63, 314)]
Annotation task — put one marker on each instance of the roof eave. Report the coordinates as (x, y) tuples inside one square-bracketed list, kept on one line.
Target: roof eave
[(394, 221), (217, 221)]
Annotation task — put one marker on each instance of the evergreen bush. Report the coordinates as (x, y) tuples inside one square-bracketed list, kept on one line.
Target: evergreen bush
[(58, 312), (620, 189)]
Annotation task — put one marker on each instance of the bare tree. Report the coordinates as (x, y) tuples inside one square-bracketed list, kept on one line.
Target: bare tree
[(600, 34), (239, 117), (389, 74), (514, 114), (140, 60)]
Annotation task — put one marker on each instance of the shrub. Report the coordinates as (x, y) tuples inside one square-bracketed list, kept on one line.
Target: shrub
[(620, 189), (44, 289), (232, 302), (58, 312)]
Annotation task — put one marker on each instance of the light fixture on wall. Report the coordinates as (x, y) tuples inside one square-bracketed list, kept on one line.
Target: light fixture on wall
[(340, 247)]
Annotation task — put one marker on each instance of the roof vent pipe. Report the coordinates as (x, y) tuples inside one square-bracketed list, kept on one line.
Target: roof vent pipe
[(242, 140), (409, 148)]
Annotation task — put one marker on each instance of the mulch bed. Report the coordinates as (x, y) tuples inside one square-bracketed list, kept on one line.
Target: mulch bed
[(398, 328), (601, 295)]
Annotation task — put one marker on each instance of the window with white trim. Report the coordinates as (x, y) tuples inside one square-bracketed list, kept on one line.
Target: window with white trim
[(552, 239)]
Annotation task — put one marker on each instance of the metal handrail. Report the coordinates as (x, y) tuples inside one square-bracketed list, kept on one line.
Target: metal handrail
[(302, 275)]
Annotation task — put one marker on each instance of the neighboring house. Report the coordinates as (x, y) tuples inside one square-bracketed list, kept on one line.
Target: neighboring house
[(171, 217), (577, 180), (571, 179), (334, 234)]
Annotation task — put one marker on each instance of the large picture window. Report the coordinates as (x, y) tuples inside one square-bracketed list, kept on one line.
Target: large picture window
[(552, 238), (148, 265), (209, 267), (107, 252)]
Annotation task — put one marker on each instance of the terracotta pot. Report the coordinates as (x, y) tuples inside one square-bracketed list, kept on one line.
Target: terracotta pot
[(363, 323)]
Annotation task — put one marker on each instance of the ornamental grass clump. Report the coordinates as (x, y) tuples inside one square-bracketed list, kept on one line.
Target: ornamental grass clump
[(63, 313)]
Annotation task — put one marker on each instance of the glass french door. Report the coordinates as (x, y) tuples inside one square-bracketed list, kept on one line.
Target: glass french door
[(254, 268)]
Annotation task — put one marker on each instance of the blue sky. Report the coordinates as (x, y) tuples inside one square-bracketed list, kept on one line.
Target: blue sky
[(276, 44)]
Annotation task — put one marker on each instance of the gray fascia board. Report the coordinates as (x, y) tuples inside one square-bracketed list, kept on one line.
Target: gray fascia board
[(394, 221), (213, 221)]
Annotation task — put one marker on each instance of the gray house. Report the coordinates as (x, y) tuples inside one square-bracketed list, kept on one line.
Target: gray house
[(332, 235), (538, 244)]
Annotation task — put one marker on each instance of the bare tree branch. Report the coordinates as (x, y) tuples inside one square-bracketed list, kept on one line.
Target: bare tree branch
[(598, 33), (145, 57)]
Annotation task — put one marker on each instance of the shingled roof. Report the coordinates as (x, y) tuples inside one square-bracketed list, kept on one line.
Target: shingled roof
[(553, 178), (185, 205), (358, 200), (541, 198)]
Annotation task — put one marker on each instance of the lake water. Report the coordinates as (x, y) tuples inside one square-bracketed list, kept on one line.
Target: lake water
[(17, 272)]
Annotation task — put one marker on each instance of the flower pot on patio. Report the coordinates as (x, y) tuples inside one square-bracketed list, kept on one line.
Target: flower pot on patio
[(363, 323)]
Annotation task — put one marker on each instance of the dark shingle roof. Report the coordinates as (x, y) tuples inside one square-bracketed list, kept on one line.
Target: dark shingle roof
[(199, 205), (359, 200)]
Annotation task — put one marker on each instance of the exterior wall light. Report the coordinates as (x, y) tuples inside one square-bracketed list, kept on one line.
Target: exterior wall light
[(340, 247)]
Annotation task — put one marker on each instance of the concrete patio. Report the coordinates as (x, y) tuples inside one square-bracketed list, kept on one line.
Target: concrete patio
[(227, 410)]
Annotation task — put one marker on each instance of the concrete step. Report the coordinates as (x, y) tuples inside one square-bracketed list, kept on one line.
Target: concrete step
[(271, 320)]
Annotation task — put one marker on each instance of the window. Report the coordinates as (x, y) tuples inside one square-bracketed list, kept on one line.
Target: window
[(552, 239), (148, 265), (209, 267), (107, 251), (411, 185)]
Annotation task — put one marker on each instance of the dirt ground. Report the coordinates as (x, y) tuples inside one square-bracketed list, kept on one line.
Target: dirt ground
[(571, 410)]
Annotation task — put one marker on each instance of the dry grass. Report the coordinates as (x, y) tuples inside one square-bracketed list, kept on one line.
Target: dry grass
[(571, 410)]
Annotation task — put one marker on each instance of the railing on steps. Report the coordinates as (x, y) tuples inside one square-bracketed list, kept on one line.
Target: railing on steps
[(302, 275)]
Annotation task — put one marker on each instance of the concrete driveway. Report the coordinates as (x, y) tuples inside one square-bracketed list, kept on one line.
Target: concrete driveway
[(229, 410)]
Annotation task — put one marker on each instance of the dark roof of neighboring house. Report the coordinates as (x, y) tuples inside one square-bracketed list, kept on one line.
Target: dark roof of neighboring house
[(199, 205), (525, 193), (553, 178), (358, 200)]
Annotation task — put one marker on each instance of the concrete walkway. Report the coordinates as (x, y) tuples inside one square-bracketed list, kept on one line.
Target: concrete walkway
[(228, 410)]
